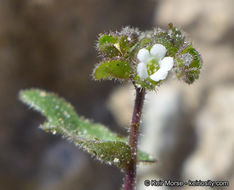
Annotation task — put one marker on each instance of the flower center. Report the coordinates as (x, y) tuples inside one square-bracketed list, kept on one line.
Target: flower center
[(152, 66)]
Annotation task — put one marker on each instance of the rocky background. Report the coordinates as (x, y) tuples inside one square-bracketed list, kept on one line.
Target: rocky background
[(50, 44)]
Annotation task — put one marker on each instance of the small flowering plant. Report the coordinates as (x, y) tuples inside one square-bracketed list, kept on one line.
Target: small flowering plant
[(146, 59)]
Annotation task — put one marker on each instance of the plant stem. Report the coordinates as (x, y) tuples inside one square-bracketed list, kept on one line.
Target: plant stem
[(130, 172)]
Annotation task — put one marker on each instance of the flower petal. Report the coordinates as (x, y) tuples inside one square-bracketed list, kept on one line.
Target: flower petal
[(166, 63), (158, 51), (142, 70), (159, 75), (143, 55)]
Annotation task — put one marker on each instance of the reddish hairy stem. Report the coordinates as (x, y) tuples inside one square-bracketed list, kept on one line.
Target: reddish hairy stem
[(130, 171)]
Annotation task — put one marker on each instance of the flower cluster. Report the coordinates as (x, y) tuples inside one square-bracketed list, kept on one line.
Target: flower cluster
[(146, 58)]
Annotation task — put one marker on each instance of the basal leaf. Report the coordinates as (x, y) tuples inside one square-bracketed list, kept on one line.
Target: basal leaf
[(62, 119), (112, 69)]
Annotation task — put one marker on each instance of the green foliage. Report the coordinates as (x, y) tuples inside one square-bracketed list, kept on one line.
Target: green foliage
[(107, 39), (112, 69), (145, 42), (162, 37), (176, 36), (116, 51), (94, 138), (188, 64), (125, 45), (110, 50)]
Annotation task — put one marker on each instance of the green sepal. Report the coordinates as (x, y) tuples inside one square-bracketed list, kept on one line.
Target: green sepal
[(112, 69), (95, 139)]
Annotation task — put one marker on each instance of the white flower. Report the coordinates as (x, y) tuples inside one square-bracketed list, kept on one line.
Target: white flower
[(157, 52)]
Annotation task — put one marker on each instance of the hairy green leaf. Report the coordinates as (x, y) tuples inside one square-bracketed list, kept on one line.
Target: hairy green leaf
[(124, 44), (162, 37), (176, 36), (112, 69), (96, 139), (188, 65), (107, 39), (110, 50)]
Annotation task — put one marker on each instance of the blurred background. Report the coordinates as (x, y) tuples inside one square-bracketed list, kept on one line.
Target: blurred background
[(50, 44)]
